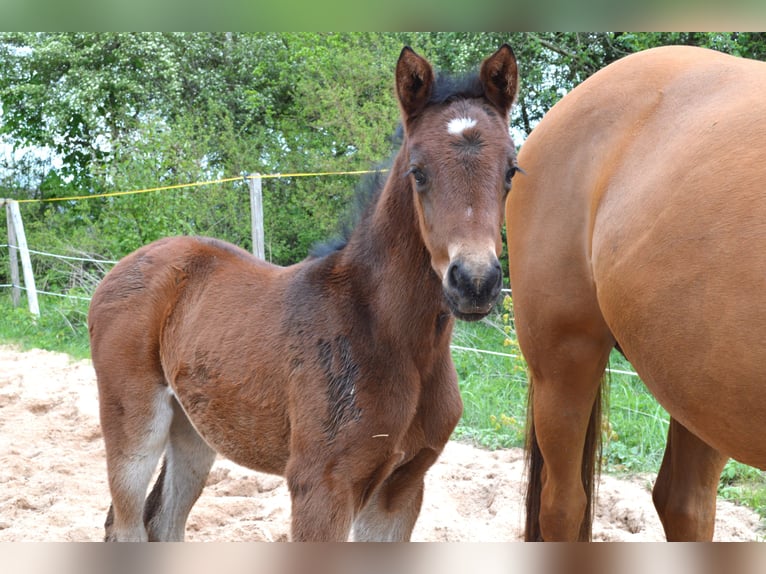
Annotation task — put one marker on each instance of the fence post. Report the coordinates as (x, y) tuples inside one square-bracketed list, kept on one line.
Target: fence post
[(256, 214), (18, 240), (12, 255)]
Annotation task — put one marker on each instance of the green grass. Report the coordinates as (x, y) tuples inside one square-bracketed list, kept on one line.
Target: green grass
[(745, 485), (493, 387), (62, 325), (494, 390), (637, 426)]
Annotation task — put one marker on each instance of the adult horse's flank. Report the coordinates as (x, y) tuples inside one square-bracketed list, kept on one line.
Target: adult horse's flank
[(334, 372), (641, 222)]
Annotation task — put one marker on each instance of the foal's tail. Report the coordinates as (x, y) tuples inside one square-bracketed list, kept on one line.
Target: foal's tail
[(591, 467)]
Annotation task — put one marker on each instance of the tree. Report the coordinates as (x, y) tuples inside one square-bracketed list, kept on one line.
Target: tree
[(78, 94)]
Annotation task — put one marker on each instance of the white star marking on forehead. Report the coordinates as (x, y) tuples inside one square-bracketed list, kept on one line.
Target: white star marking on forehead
[(456, 126)]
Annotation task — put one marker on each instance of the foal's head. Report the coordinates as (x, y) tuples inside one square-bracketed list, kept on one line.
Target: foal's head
[(461, 161)]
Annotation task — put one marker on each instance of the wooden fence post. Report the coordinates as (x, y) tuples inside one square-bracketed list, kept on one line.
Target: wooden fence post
[(256, 214), (12, 255), (17, 240)]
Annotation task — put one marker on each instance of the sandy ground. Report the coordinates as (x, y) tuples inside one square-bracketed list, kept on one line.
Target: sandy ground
[(53, 478)]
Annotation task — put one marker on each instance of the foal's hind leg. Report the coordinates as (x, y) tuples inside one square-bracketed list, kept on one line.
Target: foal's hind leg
[(135, 428), (687, 484), (188, 459), (393, 509)]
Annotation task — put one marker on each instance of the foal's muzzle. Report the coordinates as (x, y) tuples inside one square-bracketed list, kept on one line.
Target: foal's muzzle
[(471, 288)]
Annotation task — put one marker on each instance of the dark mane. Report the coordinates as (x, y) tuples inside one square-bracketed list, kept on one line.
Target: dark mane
[(448, 88), (366, 196)]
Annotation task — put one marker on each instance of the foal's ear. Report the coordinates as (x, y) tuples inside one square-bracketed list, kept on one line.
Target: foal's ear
[(414, 80), (500, 76)]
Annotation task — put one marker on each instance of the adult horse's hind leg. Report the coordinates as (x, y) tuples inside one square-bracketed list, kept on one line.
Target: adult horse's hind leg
[(188, 459), (687, 484), (135, 419), (393, 509), (565, 378)]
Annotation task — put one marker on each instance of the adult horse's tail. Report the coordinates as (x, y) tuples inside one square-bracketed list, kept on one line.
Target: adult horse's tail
[(590, 470)]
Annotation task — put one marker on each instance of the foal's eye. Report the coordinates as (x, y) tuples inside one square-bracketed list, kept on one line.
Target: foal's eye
[(509, 175), (419, 177), (510, 172)]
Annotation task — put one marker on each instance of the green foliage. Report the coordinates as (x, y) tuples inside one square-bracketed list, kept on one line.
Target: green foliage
[(152, 110), (76, 93)]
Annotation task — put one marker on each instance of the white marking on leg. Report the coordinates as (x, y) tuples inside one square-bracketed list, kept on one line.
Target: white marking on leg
[(134, 473), (188, 459), (457, 126)]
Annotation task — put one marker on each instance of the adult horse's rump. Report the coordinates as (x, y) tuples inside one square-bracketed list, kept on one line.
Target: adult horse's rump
[(334, 372), (641, 221)]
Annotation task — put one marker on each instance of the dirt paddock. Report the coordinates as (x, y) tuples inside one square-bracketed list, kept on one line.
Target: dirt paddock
[(53, 478)]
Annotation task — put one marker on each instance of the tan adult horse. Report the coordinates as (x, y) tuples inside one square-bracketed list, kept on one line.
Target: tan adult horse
[(641, 222), (334, 372)]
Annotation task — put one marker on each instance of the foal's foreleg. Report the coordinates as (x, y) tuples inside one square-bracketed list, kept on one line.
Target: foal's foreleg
[(326, 499), (687, 484), (394, 507), (322, 506)]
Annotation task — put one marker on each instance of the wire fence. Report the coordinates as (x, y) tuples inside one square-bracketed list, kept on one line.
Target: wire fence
[(58, 256), (243, 177), (40, 292)]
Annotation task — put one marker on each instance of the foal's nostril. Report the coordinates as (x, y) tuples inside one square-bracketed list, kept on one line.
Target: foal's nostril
[(497, 271), (453, 275)]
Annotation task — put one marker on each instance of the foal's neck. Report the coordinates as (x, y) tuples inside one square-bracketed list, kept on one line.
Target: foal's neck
[(388, 245)]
